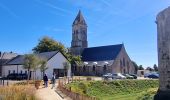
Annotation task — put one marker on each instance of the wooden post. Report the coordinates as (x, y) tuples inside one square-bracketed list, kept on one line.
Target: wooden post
[(59, 83), (0, 81), (7, 82), (3, 82), (70, 89), (65, 81), (68, 80)]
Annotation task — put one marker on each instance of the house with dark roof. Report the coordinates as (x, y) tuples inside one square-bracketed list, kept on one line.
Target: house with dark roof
[(55, 61), (97, 60), (4, 58)]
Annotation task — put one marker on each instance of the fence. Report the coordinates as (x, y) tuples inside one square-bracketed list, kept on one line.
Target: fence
[(4, 82), (71, 94)]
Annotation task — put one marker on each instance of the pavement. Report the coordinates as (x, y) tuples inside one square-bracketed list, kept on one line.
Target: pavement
[(50, 94)]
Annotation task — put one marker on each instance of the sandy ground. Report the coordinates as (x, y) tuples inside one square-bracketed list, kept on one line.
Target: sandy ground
[(48, 94)]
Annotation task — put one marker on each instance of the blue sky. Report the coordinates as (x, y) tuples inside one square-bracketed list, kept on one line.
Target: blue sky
[(132, 22)]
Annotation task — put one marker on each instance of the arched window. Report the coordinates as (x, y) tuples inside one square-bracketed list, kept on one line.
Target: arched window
[(123, 61), (94, 68), (75, 68), (84, 68), (104, 68), (128, 66), (76, 31), (120, 63)]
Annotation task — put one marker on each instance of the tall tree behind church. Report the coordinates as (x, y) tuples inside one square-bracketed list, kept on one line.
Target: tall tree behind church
[(47, 44)]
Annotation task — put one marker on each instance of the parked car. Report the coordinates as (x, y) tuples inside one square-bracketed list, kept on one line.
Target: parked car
[(118, 76), (153, 76), (107, 75), (15, 76), (146, 75), (128, 76), (11, 76), (134, 76)]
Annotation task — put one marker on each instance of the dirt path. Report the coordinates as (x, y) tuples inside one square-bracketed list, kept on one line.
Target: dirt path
[(48, 94)]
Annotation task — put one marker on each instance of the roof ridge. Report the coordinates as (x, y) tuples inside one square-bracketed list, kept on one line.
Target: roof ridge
[(47, 52), (104, 46)]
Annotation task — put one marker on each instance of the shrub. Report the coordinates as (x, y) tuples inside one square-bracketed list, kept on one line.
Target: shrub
[(89, 79), (83, 87), (20, 83), (148, 95)]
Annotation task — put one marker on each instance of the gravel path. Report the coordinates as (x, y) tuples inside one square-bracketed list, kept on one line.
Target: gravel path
[(48, 94)]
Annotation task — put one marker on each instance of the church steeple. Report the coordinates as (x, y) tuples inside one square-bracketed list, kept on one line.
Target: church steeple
[(79, 35), (79, 19)]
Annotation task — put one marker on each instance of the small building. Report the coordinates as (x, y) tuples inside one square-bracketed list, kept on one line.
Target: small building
[(55, 60), (4, 58), (144, 72)]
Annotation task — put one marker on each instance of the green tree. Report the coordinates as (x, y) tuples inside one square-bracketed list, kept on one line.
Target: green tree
[(140, 67), (30, 62), (47, 44), (149, 68), (136, 66), (43, 66), (155, 67)]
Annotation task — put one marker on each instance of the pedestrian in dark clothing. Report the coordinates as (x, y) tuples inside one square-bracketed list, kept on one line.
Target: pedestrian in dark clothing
[(53, 80), (45, 78)]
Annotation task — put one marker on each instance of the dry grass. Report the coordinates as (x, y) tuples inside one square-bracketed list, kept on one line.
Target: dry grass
[(20, 92)]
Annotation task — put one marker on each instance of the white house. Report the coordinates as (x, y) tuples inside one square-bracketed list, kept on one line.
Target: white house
[(55, 60)]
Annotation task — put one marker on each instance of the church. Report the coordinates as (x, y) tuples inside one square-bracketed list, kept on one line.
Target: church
[(97, 60)]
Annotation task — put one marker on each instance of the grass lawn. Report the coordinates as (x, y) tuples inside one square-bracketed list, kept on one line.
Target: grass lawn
[(145, 95), (117, 90)]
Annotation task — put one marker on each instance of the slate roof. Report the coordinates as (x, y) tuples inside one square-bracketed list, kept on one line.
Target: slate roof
[(101, 53), (79, 19), (3, 61), (5, 57), (19, 60)]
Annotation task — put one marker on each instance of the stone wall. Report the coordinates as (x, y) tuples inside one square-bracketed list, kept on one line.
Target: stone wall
[(163, 28), (123, 63)]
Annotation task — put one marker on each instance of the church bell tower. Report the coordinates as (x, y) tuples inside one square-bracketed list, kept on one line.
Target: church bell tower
[(79, 35)]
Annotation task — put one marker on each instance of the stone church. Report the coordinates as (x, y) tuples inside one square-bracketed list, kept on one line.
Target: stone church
[(97, 60)]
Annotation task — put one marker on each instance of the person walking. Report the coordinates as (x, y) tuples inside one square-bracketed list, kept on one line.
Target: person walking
[(53, 80), (45, 78)]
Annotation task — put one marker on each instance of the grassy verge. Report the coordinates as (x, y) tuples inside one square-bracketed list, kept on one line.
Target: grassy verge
[(116, 90), (17, 92)]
